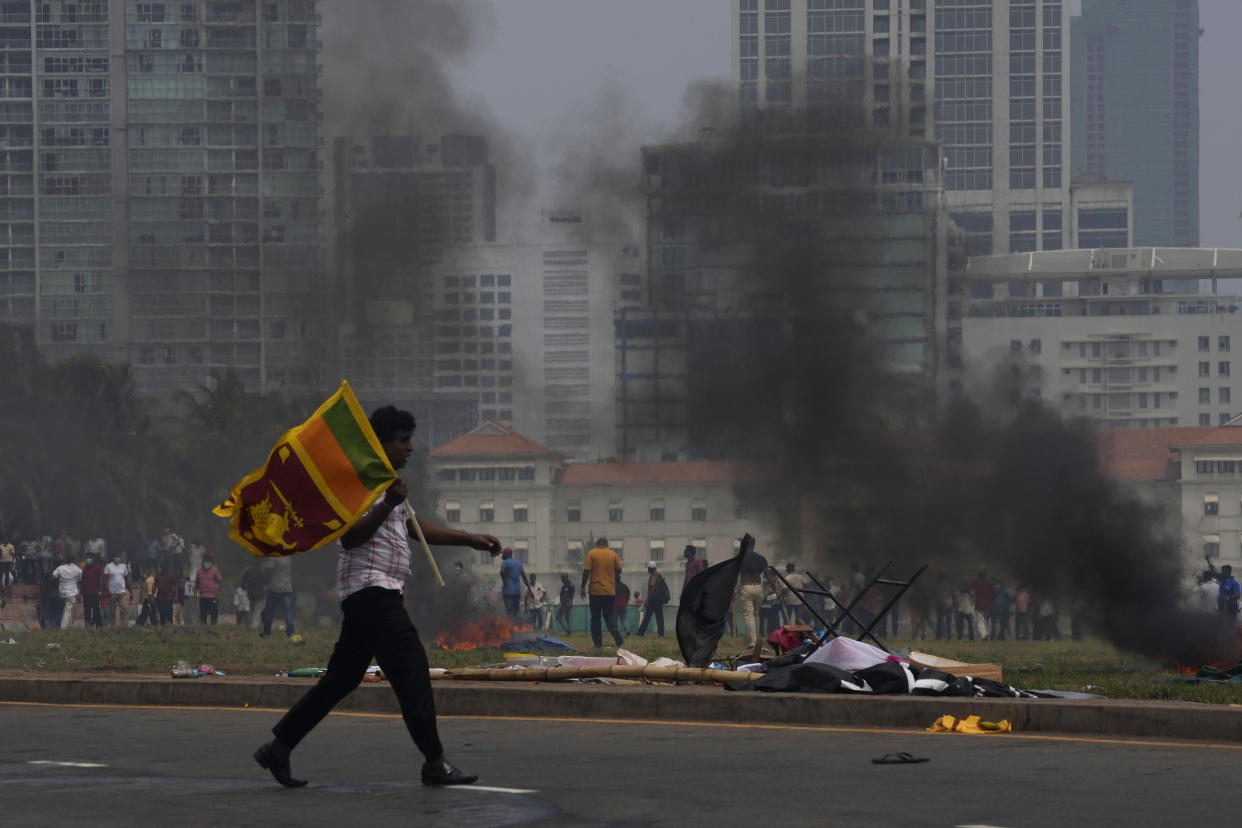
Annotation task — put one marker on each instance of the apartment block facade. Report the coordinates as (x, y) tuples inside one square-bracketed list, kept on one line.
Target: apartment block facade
[(161, 174), (988, 79), (1109, 335)]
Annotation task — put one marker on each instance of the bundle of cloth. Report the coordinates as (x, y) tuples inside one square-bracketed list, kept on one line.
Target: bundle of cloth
[(844, 665)]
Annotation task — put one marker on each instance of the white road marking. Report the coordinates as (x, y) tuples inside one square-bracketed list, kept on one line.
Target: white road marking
[(977, 826), (67, 764), (491, 789)]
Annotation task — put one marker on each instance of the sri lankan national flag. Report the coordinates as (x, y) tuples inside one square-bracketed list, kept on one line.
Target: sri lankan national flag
[(321, 477)]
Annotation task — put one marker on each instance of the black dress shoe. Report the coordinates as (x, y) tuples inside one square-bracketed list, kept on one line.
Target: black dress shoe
[(268, 759), (441, 772)]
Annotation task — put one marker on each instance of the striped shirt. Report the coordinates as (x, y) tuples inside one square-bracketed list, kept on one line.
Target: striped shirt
[(383, 561)]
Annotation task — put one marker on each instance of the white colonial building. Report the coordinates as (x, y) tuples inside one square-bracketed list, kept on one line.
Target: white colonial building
[(495, 480)]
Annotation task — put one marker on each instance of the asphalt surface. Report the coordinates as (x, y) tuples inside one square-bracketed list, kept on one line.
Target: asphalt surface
[(106, 766)]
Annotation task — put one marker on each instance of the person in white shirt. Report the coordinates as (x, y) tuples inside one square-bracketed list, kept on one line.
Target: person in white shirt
[(371, 570), (538, 598), (117, 575), (68, 575)]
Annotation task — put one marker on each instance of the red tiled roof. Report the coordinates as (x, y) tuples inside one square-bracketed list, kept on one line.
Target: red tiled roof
[(491, 440), (1149, 453), (690, 472)]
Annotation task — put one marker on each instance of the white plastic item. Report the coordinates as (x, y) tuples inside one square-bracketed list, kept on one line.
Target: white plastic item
[(848, 654)]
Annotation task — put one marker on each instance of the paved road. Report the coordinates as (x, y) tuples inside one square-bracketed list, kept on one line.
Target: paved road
[(177, 766)]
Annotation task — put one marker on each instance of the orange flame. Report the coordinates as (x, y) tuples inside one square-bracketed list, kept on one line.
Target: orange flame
[(488, 631)]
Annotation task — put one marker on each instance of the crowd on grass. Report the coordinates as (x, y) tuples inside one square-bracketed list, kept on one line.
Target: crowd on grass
[(161, 581), (154, 580)]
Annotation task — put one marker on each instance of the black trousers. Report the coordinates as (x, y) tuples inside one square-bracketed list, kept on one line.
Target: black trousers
[(650, 611), (377, 626), (208, 608), (601, 606), (93, 615)]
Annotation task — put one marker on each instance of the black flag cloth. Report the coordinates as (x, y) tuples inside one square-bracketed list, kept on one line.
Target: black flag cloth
[(705, 603)]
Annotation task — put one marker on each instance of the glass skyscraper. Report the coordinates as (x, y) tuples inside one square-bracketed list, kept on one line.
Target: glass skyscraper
[(161, 186), (1136, 109), (985, 78)]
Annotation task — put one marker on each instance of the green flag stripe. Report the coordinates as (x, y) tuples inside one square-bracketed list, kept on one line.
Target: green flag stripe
[(340, 421)]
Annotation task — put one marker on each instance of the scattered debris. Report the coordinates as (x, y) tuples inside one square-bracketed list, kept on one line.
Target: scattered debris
[(968, 724), (902, 758)]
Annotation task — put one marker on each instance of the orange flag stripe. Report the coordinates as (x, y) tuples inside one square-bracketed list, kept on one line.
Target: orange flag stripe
[(332, 464)]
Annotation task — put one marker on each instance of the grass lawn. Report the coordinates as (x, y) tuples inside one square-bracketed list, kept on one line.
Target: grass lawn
[(1056, 665)]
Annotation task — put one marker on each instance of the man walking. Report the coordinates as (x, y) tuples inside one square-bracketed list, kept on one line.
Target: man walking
[(564, 612), (207, 580), (694, 564), (371, 571), (512, 584), (116, 574), (279, 594), (168, 593), (657, 597), (750, 593), (538, 593), (92, 589), (67, 576), (601, 569), (254, 582)]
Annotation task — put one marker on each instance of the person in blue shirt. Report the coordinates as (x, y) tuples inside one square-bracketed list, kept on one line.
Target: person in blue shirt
[(512, 583), (1227, 599)]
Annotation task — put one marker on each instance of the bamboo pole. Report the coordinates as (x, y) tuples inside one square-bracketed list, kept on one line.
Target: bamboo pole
[(694, 675), (418, 530)]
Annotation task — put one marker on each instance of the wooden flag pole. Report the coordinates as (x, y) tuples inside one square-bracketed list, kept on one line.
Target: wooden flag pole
[(418, 530)]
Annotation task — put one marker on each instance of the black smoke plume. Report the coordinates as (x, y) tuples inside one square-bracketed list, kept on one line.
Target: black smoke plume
[(789, 362)]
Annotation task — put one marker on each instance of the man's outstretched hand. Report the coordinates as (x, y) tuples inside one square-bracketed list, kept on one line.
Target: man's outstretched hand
[(485, 543)]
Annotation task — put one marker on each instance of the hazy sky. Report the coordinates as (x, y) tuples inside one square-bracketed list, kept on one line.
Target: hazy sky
[(544, 62)]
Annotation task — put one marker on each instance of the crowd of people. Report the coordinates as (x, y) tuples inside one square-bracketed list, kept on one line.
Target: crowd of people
[(153, 582)]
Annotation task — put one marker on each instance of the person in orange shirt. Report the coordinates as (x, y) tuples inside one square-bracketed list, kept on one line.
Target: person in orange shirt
[(600, 569)]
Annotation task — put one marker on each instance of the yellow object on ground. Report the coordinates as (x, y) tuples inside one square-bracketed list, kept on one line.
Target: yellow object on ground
[(969, 724)]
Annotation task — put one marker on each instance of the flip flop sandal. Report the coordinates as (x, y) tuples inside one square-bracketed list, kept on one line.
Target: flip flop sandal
[(899, 759)]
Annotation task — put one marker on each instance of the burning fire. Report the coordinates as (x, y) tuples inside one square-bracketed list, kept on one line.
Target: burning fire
[(488, 631), (1220, 660)]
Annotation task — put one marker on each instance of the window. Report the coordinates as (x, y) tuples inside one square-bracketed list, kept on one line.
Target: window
[(487, 473), (1222, 394), (519, 511), (521, 551), (1226, 466), (698, 510), (618, 545), (615, 513), (1037, 346), (655, 550), (573, 511), (1204, 344), (452, 512), (1205, 396), (1222, 344), (467, 474), (657, 509), (1211, 504), (1211, 546), (574, 548), (1205, 467), (1222, 369), (526, 473), (447, 475), (1205, 369), (508, 473), (1015, 346), (487, 511), (1205, 419)]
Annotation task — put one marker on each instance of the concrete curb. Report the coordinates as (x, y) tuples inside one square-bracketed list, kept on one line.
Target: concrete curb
[(1115, 718)]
